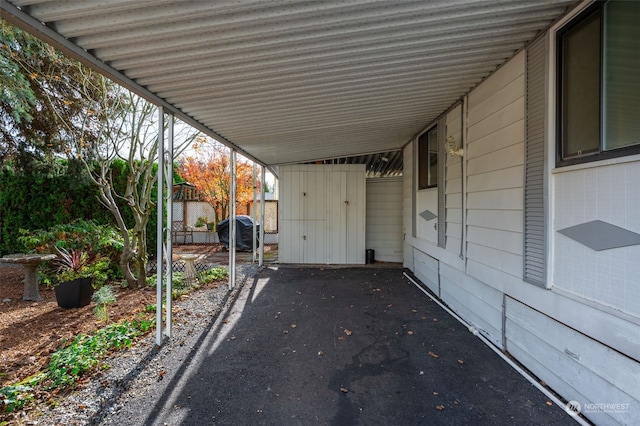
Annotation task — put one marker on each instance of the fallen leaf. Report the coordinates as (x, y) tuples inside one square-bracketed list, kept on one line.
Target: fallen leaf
[(460, 361), (341, 338), (440, 407), (414, 310), (320, 353), (226, 321), (435, 320), (344, 390), (436, 393), (348, 332), (410, 333), (431, 354), (549, 403), (285, 331), (293, 326)]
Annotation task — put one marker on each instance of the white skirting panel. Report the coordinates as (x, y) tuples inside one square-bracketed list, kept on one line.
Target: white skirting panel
[(474, 301), (425, 268), (603, 381)]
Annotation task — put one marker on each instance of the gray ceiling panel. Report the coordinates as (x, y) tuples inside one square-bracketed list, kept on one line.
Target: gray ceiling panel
[(298, 81)]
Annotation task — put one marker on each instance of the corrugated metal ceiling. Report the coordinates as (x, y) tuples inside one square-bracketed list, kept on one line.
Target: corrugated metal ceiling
[(297, 81)]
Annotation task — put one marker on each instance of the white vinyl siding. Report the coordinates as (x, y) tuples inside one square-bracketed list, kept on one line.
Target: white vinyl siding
[(408, 206), (579, 368), (441, 210), (474, 301), (453, 184), (495, 160), (384, 219)]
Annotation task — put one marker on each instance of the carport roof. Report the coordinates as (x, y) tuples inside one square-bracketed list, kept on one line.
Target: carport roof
[(294, 81)]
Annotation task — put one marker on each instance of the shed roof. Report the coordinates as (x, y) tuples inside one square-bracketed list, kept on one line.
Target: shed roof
[(295, 81)]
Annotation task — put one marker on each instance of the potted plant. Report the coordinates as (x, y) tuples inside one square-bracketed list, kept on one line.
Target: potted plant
[(74, 286)]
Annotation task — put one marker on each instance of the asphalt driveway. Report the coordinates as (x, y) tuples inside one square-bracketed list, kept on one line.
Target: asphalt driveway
[(339, 346)]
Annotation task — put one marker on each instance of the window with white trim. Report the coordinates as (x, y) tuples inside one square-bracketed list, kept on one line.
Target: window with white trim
[(428, 159), (598, 69)]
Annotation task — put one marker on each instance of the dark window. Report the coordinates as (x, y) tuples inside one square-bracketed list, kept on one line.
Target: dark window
[(428, 159), (599, 84)]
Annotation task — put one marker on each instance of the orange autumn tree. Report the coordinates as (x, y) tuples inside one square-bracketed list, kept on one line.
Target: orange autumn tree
[(207, 168)]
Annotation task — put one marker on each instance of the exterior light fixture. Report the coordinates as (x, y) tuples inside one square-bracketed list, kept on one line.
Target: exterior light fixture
[(452, 147)]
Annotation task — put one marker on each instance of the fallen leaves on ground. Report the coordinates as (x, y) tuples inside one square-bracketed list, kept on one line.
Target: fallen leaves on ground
[(348, 332), (433, 355), (440, 407)]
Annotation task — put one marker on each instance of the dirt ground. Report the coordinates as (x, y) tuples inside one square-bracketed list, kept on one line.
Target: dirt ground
[(31, 331)]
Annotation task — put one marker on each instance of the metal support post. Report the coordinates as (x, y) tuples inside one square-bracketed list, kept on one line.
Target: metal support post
[(232, 220), (169, 203), (159, 227)]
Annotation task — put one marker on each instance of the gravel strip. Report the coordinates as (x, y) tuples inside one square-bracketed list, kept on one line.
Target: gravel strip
[(134, 371)]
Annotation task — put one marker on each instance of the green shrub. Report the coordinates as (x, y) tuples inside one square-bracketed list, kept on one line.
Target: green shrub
[(101, 243)]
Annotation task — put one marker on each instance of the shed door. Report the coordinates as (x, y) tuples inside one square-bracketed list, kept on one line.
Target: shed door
[(323, 214)]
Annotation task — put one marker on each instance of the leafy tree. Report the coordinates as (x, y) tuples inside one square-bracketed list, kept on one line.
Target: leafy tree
[(128, 131), (39, 100), (52, 105), (209, 172)]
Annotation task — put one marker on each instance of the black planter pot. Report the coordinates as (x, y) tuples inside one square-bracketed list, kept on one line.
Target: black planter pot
[(74, 294)]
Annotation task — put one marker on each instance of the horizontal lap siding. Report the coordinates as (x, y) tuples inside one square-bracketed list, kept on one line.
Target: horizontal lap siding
[(453, 183), (384, 219), (495, 159), (574, 365), (474, 301), (407, 203), (427, 271)]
